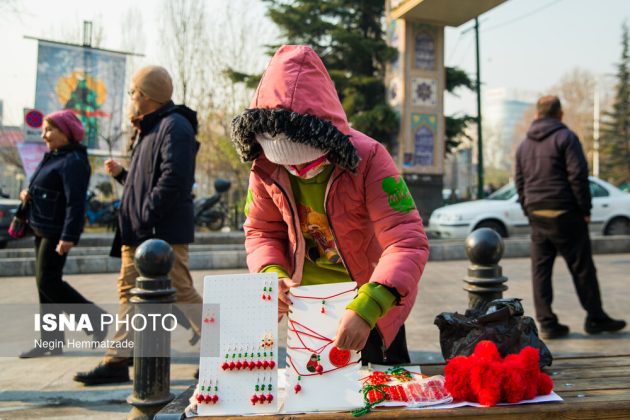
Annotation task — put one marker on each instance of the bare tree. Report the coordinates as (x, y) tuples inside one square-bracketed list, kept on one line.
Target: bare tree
[(71, 31), (133, 38), (10, 8), (575, 89), (98, 32), (184, 41), (200, 48), (237, 34), (520, 130)]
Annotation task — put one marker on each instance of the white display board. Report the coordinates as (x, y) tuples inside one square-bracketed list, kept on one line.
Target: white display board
[(320, 377), (239, 349)]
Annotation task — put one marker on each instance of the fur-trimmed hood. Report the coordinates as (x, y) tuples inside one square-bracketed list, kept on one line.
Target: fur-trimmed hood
[(296, 97)]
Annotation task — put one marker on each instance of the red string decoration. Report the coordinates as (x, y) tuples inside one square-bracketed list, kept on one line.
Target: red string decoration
[(338, 358), (313, 366), (323, 299)]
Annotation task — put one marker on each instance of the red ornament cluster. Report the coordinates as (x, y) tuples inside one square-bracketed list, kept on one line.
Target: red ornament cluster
[(259, 396), (251, 365), (208, 399), (260, 360), (262, 398), (206, 396), (511, 379)]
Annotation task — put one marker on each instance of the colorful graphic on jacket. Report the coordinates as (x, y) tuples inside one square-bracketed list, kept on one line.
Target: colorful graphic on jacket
[(398, 196), (315, 225)]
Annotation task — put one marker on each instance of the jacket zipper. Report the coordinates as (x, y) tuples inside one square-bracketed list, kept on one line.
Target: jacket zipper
[(297, 231)]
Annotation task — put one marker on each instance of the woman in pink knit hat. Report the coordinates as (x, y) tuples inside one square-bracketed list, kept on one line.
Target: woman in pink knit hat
[(56, 212)]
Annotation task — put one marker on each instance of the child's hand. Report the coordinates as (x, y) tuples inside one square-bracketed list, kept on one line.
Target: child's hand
[(284, 284), (352, 333)]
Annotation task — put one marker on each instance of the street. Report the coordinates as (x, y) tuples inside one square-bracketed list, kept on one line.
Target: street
[(43, 388)]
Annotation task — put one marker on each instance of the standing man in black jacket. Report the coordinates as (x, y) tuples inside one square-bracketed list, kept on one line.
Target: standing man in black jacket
[(156, 202), (553, 189)]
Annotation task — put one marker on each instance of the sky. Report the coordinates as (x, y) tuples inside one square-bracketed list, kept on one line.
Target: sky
[(526, 45)]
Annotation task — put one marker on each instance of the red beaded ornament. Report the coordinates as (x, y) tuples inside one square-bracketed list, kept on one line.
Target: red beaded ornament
[(338, 357)]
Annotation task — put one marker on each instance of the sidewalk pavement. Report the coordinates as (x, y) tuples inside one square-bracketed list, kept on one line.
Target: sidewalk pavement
[(43, 388)]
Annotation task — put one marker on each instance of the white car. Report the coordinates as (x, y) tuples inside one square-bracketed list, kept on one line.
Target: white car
[(502, 212)]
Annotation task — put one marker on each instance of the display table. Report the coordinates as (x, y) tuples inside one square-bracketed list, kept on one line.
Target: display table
[(592, 387)]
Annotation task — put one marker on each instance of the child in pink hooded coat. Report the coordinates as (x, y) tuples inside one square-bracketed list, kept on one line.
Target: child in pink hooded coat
[(327, 204)]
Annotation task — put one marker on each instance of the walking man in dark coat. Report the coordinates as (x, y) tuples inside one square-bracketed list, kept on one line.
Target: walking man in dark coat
[(156, 203), (553, 188)]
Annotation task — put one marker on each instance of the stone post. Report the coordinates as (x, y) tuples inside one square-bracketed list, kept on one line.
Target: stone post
[(485, 280), (153, 294)]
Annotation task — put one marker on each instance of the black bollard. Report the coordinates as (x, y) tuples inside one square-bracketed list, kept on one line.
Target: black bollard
[(484, 282), (151, 355)]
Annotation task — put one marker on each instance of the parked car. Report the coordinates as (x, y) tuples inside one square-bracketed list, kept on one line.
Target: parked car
[(7, 211), (502, 212)]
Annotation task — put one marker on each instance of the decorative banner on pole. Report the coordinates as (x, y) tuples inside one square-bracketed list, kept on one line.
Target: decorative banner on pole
[(88, 81), (32, 125)]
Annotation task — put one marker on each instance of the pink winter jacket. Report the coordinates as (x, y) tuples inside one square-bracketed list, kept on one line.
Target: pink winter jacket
[(378, 239)]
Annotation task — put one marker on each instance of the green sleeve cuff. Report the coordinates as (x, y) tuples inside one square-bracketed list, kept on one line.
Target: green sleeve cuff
[(372, 302), (276, 269)]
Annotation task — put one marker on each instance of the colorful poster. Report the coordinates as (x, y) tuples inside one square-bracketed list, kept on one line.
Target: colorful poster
[(88, 81)]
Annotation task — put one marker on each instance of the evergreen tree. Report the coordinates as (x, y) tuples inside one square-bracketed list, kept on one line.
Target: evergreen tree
[(348, 35), (455, 127), (615, 141)]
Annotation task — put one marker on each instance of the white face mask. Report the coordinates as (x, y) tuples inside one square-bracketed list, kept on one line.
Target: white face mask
[(309, 171), (282, 151)]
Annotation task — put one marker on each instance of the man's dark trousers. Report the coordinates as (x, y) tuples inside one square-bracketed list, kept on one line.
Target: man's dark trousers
[(567, 235)]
